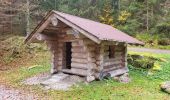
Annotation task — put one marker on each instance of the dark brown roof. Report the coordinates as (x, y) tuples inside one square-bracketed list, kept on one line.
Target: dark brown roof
[(98, 30)]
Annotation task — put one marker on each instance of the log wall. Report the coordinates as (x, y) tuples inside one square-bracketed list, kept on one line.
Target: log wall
[(83, 53), (88, 58), (117, 62)]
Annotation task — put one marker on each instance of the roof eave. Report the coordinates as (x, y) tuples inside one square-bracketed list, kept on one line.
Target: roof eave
[(30, 36)]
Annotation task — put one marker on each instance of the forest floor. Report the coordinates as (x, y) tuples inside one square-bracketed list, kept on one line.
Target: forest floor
[(16, 68)]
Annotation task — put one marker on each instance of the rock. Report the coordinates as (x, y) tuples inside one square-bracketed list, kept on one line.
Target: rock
[(90, 78), (54, 79), (165, 86), (36, 80), (123, 78), (59, 81), (116, 78)]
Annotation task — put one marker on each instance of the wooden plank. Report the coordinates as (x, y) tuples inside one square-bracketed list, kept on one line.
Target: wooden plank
[(111, 43), (60, 50), (82, 55), (112, 63), (75, 72), (42, 37), (79, 66), (66, 37), (87, 41), (60, 55), (78, 46), (114, 59), (101, 57), (118, 53), (62, 35), (60, 62), (118, 71), (91, 47), (79, 55), (126, 54), (84, 61), (78, 50), (109, 62), (60, 45), (121, 48), (76, 43), (110, 69), (59, 58)]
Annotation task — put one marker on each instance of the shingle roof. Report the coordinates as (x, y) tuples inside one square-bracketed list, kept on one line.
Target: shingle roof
[(99, 30)]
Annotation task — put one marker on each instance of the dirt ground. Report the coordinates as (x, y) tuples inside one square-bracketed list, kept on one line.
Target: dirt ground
[(7, 93)]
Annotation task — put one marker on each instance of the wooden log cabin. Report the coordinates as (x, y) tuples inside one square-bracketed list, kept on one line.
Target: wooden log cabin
[(83, 47)]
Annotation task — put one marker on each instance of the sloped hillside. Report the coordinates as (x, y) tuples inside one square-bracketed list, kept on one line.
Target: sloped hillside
[(13, 53)]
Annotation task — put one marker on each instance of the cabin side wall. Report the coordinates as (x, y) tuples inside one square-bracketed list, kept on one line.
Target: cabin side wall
[(114, 66), (118, 61)]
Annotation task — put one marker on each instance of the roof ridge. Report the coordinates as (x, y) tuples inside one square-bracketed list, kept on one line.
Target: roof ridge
[(55, 11)]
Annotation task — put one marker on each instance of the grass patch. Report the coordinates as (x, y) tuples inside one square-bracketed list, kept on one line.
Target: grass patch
[(15, 77), (142, 87)]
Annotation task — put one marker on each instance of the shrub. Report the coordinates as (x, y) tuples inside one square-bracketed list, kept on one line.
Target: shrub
[(14, 47), (163, 28), (149, 38), (144, 62), (160, 41), (164, 41)]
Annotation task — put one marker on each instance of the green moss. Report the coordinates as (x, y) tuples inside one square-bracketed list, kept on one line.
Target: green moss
[(145, 60)]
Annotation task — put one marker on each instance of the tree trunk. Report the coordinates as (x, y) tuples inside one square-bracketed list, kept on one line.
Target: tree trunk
[(27, 17), (147, 17)]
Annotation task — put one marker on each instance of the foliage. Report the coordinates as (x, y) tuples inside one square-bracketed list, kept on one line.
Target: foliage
[(87, 9), (13, 50), (163, 28), (123, 16), (130, 16), (107, 12), (160, 41)]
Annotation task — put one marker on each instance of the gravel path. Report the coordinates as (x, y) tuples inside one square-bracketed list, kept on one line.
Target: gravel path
[(13, 94), (159, 51)]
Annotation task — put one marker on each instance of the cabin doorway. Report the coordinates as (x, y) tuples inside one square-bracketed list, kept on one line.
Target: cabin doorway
[(68, 54)]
